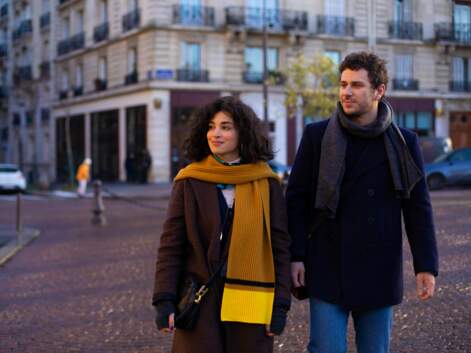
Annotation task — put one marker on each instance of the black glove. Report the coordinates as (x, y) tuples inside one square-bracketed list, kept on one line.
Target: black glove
[(163, 310), (278, 320)]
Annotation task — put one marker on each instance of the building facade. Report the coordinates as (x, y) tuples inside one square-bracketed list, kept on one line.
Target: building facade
[(109, 79)]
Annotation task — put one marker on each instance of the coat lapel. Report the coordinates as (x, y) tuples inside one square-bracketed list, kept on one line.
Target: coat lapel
[(372, 156), (208, 211)]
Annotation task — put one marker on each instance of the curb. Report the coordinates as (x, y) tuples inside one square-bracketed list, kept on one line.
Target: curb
[(17, 243)]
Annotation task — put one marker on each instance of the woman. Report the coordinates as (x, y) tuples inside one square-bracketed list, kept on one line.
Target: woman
[(228, 175)]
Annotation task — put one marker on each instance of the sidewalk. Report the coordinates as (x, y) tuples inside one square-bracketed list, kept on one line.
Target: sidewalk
[(11, 242)]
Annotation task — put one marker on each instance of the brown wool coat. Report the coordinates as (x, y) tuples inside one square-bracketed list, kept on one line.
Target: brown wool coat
[(190, 243)]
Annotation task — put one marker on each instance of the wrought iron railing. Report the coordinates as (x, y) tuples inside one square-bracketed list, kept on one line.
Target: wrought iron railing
[(131, 78), (192, 15), (405, 30), (45, 20), (131, 20), (335, 25), (193, 75), (460, 86), (101, 32), (274, 76), (405, 84), (275, 19), (453, 32), (100, 84)]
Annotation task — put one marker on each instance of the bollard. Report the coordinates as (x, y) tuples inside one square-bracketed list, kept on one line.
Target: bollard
[(98, 218), (19, 221)]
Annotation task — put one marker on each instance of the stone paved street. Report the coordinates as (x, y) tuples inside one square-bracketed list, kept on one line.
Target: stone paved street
[(78, 288)]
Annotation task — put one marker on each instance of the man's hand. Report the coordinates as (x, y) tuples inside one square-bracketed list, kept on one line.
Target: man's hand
[(297, 274), (425, 285)]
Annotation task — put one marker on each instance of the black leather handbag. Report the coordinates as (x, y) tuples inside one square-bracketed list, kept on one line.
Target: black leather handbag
[(191, 293)]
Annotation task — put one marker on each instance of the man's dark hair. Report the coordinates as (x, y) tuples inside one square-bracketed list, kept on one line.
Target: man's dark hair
[(372, 63), (254, 144)]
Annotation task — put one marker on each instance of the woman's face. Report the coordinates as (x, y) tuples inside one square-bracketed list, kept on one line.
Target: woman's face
[(223, 137)]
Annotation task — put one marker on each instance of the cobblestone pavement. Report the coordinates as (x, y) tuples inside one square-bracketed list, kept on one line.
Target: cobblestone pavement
[(78, 288)]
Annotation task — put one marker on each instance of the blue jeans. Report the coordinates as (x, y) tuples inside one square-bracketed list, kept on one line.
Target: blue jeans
[(328, 328)]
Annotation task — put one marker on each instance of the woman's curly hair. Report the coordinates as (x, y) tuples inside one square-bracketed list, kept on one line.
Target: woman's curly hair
[(254, 144)]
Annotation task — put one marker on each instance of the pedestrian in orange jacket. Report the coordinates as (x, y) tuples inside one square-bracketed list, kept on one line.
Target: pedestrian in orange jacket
[(83, 175)]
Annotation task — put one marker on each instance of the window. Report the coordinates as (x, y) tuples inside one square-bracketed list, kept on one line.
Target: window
[(254, 16), (334, 56), (462, 22), (65, 80), (461, 156), (254, 59), (133, 5), (404, 65), (80, 21), (461, 69), (103, 11), (79, 76), (334, 7), (46, 6), (65, 28), (102, 69), (190, 56), (132, 60), (420, 122), (403, 10)]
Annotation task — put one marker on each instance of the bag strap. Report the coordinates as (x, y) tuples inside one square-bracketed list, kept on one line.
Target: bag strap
[(205, 287)]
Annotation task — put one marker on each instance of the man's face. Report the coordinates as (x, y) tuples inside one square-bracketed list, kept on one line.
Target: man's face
[(356, 94)]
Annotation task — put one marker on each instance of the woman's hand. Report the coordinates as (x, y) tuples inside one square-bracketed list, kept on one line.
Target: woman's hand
[(165, 316)]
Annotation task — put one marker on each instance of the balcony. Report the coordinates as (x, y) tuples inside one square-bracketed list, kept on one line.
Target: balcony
[(335, 26), (100, 84), (25, 27), (63, 47), (3, 50), (4, 10), (45, 69), (453, 32), (253, 77), (276, 19), (77, 41), (131, 20), (131, 78), (192, 75), (101, 32), (63, 94), (62, 2), (78, 91), (460, 86), (71, 44), (188, 15), (23, 73), (405, 30), (45, 20), (405, 84)]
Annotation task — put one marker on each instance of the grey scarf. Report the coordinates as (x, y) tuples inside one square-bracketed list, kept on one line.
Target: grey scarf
[(404, 171)]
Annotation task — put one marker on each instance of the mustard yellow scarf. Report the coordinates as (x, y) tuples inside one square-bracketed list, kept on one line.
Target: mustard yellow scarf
[(250, 281)]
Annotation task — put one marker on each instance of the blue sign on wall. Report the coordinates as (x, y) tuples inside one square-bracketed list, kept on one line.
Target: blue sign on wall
[(164, 74)]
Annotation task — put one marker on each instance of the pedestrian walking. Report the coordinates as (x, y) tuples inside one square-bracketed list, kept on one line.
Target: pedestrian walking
[(226, 217), (82, 177), (353, 177)]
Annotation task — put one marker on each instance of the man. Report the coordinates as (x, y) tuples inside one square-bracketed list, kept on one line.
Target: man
[(353, 176), (83, 175)]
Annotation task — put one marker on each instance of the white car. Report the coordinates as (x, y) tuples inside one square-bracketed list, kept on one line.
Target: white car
[(11, 178)]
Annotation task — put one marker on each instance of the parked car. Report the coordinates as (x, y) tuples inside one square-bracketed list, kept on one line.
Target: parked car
[(283, 171), (452, 168), (433, 147), (11, 178)]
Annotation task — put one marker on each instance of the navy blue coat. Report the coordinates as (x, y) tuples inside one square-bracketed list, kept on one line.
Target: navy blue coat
[(355, 260)]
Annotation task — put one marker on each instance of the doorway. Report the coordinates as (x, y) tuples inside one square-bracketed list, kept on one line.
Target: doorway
[(105, 145)]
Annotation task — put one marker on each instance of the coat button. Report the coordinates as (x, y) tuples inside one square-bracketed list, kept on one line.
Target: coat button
[(371, 192), (371, 220)]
